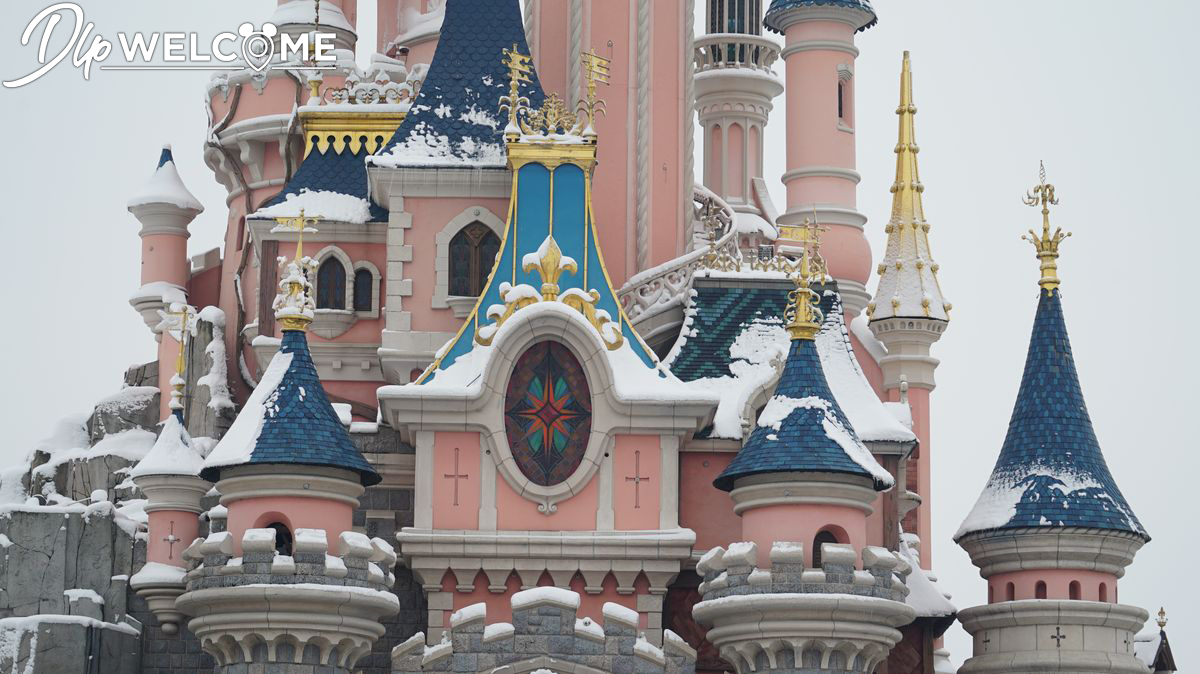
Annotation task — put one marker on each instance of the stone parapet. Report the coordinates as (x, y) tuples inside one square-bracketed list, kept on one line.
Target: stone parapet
[(308, 609), (788, 618), (546, 633), (1005, 551), (1039, 635)]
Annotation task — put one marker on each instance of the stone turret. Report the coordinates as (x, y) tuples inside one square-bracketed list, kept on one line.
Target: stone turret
[(1051, 532), (792, 616)]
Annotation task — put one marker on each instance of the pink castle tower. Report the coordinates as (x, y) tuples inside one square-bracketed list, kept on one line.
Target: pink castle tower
[(1051, 532), (821, 178), (735, 87)]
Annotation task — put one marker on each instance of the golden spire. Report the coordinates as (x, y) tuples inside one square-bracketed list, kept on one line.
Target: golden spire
[(1047, 243), (802, 315), (906, 191), (178, 381), (1162, 618), (294, 304), (519, 68)]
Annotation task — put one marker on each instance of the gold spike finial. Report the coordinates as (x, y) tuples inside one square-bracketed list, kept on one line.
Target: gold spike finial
[(596, 69), (294, 304), (183, 315), (802, 315), (1162, 618), (519, 68), (1046, 244), (906, 190)]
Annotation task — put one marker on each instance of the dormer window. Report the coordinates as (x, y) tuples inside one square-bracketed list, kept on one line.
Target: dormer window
[(472, 256)]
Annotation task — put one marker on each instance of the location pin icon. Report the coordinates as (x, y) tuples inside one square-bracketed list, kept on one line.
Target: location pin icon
[(257, 46)]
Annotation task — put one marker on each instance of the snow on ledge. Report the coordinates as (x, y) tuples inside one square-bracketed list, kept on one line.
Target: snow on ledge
[(322, 204), (550, 594)]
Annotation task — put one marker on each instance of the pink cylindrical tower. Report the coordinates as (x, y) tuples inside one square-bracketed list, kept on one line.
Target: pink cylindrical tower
[(168, 477), (409, 29), (821, 178)]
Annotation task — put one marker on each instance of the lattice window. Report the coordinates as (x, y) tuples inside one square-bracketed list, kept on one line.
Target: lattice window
[(472, 256), (331, 285), (364, 282)]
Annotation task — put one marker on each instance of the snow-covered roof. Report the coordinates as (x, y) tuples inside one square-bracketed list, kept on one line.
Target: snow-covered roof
[(330, 185), (733, 339), (165, 187), (172, 453), (456, 119), (803, 429), (288, 420), (1051, 472), (924, 596)]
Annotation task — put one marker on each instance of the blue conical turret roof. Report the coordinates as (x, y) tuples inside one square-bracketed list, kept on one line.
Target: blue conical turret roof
[(288, 420), (779, 6), (1051, 472), (456, 119), (802, 429)]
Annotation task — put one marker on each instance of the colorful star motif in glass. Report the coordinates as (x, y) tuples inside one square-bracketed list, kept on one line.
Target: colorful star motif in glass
[(548, 413)]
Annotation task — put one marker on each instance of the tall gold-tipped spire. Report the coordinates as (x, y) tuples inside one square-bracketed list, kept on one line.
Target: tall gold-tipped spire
[(183, 315), (908, 284), (802, 315), (906, 191), (294, 304), (1046, 244)]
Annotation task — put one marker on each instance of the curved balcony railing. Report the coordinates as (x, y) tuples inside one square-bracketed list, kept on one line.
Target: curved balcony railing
[(734, 50)]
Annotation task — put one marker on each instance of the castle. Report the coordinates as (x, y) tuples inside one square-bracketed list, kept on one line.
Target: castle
[(483, 381)]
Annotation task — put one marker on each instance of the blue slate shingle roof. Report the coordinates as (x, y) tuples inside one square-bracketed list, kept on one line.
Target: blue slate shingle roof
[(165, 157), (720, 314), (344, 172), (801, 444), (300, 426), (467, 72), (1051, 454), (779, 6)]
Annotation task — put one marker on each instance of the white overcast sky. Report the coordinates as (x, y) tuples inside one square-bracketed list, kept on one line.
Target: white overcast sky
[(1104, 92)]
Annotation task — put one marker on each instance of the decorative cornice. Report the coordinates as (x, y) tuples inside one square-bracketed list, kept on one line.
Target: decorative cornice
[(819, 45)]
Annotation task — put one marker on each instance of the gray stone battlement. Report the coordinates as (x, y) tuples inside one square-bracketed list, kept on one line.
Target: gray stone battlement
[(359, 562), (735, 572), (545, 633)]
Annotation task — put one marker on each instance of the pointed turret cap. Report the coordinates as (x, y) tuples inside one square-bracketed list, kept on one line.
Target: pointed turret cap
[(908, 283), (802, 428), (166, 187), (172, 453), (1051, 473), (456, 119)]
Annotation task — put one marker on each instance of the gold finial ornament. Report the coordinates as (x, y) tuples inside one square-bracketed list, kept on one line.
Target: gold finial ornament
[(520, 66), (907, 208), (596, 69), (550, 263), (1162, 618), (183, 316), (802, 315), (1046, 244), (294, 305)]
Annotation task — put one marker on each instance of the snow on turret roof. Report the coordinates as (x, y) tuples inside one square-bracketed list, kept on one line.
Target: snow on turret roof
[(165, 187), (779, 6), (330, 185), (456, 119), (802, 428), (1051, 472), (288, 420), (302, 12), (732, 336), (172, 453)]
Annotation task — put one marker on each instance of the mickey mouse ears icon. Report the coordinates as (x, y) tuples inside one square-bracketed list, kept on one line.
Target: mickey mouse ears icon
[(257, 46)]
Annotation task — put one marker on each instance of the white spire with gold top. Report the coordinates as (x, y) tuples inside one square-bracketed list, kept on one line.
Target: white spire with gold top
[(908, 284)]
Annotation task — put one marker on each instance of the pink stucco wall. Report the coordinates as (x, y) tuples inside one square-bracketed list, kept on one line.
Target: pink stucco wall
[(185, 526), (800, 524), (702, 507), (636, 504), (456, 509), (164, 258), (499, 607), (293, 511), (515, 512), (1058, 584)]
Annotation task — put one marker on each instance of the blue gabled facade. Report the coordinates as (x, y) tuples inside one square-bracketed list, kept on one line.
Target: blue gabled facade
[(299, 425), (779, 6), (1051, 454), (801, 444), (344, 172), (468, 74)]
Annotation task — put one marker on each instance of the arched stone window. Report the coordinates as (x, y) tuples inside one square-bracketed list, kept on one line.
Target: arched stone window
[(1103, 591), (472, 255), (283, 538), (1010, 592), (1039, 590), (363, 282), (822, 537), (1075, 590), (331, 284)]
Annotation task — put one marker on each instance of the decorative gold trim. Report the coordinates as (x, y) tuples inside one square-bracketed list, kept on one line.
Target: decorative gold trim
[(802, 315), (340, 129), (1047, 244)]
